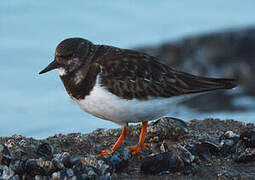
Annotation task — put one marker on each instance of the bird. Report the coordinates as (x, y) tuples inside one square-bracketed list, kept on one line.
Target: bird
[(123, 85)]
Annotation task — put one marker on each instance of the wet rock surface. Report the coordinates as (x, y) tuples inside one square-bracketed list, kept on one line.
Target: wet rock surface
[(198, 149), (228, 53)]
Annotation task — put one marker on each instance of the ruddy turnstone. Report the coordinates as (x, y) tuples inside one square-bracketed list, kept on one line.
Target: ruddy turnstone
[(124, 86)]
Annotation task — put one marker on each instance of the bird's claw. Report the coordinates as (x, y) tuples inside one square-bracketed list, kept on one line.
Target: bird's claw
[(136, 149), (105, 152)]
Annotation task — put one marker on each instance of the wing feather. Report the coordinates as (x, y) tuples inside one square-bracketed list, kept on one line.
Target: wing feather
[(130, 74)]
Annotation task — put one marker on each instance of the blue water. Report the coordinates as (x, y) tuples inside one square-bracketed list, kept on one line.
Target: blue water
[(38, 106)]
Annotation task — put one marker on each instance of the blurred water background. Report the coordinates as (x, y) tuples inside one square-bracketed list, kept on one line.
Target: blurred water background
[(38, 106)]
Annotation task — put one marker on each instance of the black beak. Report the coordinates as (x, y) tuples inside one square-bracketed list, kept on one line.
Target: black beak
[(53, 65)]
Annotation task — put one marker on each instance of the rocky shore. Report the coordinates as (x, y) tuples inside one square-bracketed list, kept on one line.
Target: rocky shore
[(198, 149)]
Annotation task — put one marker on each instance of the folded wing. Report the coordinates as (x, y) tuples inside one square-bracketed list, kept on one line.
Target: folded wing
[(137, 75)]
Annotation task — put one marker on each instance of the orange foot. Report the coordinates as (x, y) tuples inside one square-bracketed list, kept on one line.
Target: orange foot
[(124, 133), (136, 149), (105, 152)]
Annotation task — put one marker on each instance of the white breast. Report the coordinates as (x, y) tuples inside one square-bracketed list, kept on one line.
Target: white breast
[(103, 104)]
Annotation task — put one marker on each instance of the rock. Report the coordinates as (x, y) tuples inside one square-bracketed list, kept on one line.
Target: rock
[(245, 158), (119, 159), (204, 150), (248, 137), (4, 150), (178, 159), (159, 163), (103, 166), (16, 151), (6, 172), (63, 160), (44, 150), (39, 167), (166, 128), (18, 166), (182, 150), (228, 142)]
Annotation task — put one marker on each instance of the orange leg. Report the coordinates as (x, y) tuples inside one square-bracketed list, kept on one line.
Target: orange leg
[(124, 133), (137, 148)]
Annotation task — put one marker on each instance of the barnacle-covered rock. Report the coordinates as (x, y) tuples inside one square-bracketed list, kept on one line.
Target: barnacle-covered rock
[(18, 166), (39, 167), (203, 150), (94, 161), (178, 159), (45, 150), (193, 154), (62, 160), (228, 142), (237, 145), (160, 162), (166, 128), (119, 159), (248, 137), (16, 151), (6, 172), (245, 158), (5, 157)]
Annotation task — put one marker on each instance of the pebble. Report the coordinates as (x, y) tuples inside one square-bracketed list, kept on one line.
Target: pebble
[(44, 150), (63, 160)]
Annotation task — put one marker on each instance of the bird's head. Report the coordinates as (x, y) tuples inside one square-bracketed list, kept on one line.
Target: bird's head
[(70, 55)]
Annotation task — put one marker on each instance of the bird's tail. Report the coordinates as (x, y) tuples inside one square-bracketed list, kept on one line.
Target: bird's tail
[(203, 84), (197, 84), (221, 83)]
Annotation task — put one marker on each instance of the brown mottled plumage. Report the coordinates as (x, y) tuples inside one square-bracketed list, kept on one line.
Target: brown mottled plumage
[(123, 85), (130, 74)]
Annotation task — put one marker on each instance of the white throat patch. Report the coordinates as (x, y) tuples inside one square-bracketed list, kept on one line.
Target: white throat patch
[(61, 71)]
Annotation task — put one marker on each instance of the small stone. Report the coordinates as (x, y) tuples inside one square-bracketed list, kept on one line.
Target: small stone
[(38, 177), (5, 159), (179, 159), (23, 143), (76, 161), (15, 151), (69, 172), (39, 167), (4, 150), (6, 172), (200, 151), (230, 143), (56, 175), (159, 163), (245, 158), (16, 137), (100, 167), (248, 137), (120, 158), (18, 166), (204, 150), (62, 160), (166, 128), (90, 172), (44, 150), (32, 167), (15, 177)]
